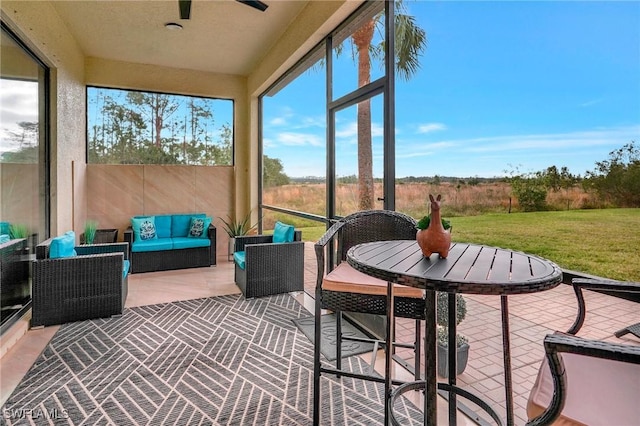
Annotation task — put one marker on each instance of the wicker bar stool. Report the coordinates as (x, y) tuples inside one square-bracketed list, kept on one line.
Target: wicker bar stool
[(343, 289)]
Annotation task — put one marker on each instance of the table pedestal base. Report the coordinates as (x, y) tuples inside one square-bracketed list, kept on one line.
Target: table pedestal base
[(441, 386)]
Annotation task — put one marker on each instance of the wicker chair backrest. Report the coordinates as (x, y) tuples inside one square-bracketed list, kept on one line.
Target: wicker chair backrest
[(374, 225)]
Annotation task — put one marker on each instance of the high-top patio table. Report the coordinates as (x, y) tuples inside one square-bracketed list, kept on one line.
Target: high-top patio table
[(470, 269)]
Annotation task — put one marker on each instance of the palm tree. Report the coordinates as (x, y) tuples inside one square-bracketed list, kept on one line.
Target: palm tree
[(410, 41)]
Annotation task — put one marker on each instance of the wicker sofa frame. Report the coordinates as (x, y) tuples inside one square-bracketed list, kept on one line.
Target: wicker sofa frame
[(165, 260), (87, 286), (270, 268)]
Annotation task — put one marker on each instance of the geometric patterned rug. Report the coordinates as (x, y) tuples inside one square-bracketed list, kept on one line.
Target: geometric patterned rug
[(214, 361)]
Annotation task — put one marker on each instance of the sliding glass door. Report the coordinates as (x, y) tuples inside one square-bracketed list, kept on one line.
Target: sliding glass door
[(23, 168)]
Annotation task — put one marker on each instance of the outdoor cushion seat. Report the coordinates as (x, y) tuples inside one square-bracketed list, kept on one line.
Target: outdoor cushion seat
[(125, 268), (239, 257), (346, 279), (185, 242), (152, 245)]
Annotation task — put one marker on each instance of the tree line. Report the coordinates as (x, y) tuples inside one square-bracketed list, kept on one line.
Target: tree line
[(156, 128)]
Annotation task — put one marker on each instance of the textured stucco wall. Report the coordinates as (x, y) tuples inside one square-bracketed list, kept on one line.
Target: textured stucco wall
[(38, 25), (156, 189)]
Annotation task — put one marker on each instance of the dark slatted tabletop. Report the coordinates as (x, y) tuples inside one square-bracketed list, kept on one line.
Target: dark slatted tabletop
[(469, 268)]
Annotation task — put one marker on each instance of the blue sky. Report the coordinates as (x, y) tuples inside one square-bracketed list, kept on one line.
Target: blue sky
[(502, 85)]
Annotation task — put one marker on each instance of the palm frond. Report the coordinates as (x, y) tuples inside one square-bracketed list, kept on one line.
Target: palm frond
[(410, 41)]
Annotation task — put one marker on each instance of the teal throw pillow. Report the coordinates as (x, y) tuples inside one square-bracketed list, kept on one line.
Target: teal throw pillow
[(4, 228), (4, 238), (283, 233), (63, 246), (199, 227), (144, 228)]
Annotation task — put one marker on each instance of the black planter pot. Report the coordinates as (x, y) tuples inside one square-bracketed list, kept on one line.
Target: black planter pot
[(461, 360)]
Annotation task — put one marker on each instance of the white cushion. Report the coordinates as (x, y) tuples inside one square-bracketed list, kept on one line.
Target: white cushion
[(599, 392), (346, 279)]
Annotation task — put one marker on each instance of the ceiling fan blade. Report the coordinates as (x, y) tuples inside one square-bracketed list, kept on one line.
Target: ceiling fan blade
[(185, 8), (256, 4)]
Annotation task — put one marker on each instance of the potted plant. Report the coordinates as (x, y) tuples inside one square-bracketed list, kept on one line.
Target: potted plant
[(18, 230), (236, 228), (90, 228), (462, 344)]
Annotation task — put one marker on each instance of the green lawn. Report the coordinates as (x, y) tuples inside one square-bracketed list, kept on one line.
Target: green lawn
[(599, 242)]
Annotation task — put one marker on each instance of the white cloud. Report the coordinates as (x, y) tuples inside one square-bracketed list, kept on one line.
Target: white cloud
[(318, 121), (347, 131), (282, 118), (299, 139), (19, 101), (267, 143), (431, 127), (278, 121), (350, 130), (421, 149), (591, 102), (552, 141)]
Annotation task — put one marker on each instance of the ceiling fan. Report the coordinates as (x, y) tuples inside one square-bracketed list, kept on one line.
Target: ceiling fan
[(185, 6)]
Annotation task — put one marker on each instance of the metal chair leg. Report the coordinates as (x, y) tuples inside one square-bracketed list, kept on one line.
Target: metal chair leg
[(316, 361), (417, 351), (339, 341)]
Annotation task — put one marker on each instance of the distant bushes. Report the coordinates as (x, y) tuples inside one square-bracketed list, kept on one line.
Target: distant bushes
[(614, 182), (617, 180)]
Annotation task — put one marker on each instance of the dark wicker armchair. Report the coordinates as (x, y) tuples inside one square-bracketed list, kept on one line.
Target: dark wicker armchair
[(585, 381), (87, 286), (270, 268), (345, 289), (610, 286)]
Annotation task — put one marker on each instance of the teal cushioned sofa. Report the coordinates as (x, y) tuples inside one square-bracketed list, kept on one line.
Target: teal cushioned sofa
[(171, 247)]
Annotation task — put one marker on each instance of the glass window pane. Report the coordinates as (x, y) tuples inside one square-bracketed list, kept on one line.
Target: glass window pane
[(23, 131), (358, 52), (130, 127), (359, 171), (311, 230), (294, 143)]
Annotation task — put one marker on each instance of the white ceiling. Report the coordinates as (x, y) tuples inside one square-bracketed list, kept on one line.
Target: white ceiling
[(222, 36)]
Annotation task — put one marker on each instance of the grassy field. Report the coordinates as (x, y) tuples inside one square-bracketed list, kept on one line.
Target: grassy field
[(600, 242), (576, 232)]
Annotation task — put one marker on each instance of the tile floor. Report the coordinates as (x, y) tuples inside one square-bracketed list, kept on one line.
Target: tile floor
[(531, 317)]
